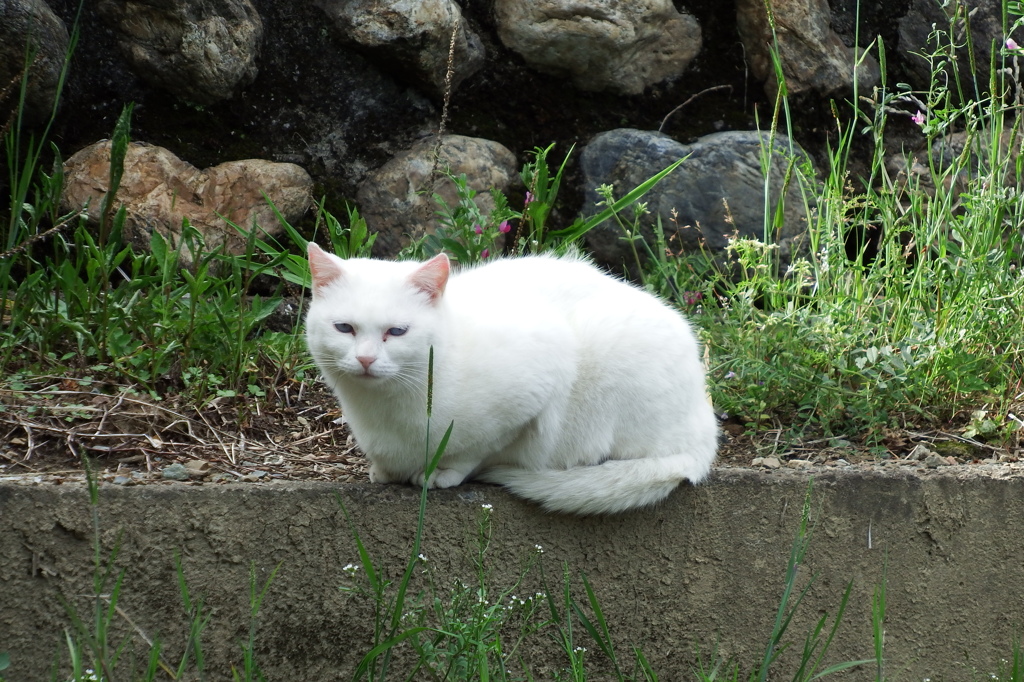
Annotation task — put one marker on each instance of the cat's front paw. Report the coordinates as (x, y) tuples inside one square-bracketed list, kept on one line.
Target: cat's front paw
[(441, 478), (378, 475)]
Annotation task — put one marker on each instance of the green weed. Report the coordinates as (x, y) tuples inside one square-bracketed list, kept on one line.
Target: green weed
[(901, 312)]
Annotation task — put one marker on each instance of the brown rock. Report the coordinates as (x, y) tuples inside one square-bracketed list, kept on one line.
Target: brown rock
[(615, 45), (813, 56), (159, 190)]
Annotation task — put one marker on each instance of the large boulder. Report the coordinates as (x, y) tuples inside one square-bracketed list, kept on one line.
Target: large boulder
[(31, 24), (410, 39), (397, 199), (159, 191), (204, 51), (813, 56), (718, 192), (616, 45)]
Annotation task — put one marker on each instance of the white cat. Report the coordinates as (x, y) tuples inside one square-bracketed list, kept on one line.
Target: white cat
[(569, 387)]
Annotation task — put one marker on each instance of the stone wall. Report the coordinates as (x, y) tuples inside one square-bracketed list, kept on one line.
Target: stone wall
[(344, 88)]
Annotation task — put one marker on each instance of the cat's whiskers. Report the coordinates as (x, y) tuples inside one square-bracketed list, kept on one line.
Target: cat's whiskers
[(413, 376)]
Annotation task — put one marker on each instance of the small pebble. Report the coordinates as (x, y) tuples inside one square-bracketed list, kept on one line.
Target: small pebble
[(175, 472), (198, 468), (934, 461), (799, 463), (921, 452), (122, 480)]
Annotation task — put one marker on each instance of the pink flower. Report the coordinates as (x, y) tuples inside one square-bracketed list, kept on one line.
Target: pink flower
[(504, 227), (691, 297), (1011, 44), (529, 197), (486, 253), (918, 118), (478, 229)]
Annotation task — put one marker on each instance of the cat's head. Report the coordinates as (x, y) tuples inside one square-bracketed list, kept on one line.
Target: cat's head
[(372, 320)]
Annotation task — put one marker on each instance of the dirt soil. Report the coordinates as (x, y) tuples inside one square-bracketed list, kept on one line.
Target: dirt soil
[(298, 433)]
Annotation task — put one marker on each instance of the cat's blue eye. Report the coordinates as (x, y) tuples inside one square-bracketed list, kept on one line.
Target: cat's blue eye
[(344, 327), (397, 331)]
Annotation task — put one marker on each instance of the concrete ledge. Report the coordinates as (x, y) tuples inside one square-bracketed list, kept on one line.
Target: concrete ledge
[(705, 568)]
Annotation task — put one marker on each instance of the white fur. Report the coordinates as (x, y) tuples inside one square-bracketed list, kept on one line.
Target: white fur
[(568, 386)]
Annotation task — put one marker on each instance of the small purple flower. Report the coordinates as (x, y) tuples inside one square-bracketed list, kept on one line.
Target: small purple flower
[(918, 118), (691, 297), (478, 229), (504, 227), (1011, 44), (529, 197), (730, 375), (486, 253)]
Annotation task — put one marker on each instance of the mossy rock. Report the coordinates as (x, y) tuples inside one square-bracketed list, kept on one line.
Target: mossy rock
[(958, 449)]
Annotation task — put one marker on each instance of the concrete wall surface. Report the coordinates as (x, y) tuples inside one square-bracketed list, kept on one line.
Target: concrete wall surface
[(704, 570)]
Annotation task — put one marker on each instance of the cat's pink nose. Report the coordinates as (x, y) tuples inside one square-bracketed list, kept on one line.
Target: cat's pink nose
[(366, 361)]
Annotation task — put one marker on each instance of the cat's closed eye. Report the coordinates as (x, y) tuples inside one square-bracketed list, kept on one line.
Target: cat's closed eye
[(344, 327)]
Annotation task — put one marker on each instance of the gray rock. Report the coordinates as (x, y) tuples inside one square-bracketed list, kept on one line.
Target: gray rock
[(159, 190), (175, 472), (616, 45), (722, 170), (921, 452), (813, 57), (410, 39), (31, 23), (397, 199), (201, 50)]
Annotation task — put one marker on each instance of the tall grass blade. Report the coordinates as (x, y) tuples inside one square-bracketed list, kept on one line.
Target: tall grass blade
[(581, 227)]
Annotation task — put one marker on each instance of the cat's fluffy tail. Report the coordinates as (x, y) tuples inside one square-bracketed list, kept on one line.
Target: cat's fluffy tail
[(609, 488)]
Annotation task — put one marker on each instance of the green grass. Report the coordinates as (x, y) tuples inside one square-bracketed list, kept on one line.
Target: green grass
[(920, 335)]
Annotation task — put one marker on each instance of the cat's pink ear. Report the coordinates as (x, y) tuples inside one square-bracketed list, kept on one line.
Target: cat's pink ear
[(323, 267), (432, 276)]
